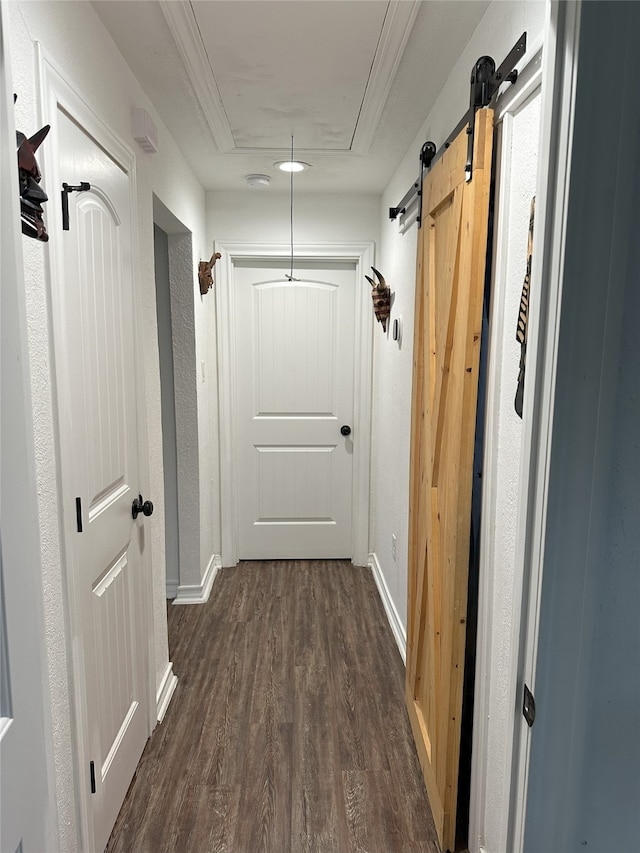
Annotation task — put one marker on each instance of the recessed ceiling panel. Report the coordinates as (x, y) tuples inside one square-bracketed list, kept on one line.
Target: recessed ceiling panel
[(285, 68), (403, 50)]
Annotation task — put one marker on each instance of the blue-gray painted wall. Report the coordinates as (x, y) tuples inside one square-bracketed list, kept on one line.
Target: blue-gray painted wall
[(584, 781)]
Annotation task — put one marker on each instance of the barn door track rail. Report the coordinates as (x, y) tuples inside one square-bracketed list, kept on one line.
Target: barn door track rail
[(485, 82)]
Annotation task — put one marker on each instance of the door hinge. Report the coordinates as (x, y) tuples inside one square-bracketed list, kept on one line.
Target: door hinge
[(528, 706), (92, 771), (79, 514)]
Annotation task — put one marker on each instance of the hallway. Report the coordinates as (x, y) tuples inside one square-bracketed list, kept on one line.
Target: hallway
[(288, 730)]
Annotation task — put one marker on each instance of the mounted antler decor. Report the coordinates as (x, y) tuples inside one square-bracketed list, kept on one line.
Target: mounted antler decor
[(381, 295), (205, 273), (32, 196)]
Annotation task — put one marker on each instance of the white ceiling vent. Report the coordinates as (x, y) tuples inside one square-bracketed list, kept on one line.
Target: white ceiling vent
[(145, 131)]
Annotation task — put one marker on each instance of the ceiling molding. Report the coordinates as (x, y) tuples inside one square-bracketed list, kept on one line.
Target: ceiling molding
[(184, 29), (398, 23), (301, 153), (396, 30)]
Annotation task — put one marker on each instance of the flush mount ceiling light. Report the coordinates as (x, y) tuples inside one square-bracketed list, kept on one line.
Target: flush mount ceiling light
[(292, 165), (258, 181)]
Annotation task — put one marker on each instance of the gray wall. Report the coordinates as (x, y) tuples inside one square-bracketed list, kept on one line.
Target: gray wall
[(165, 350), (584, 781)]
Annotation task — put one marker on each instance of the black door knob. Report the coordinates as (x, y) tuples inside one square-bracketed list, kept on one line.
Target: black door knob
[(138, 506), (345, 430)]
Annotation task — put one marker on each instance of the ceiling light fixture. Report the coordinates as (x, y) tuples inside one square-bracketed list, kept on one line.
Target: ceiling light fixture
[(292, 165)]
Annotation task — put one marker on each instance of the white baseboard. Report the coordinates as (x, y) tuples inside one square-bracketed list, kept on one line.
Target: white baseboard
[(172, 589), (397, 627), (199, 593), (166, 691)]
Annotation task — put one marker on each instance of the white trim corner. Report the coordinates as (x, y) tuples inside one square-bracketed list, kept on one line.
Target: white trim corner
[(398, 24), (182, 22), (165, 691), (395, 623), (199, 593)]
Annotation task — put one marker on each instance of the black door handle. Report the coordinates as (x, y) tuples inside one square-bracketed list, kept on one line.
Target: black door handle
[(345, 430), (138, 507)]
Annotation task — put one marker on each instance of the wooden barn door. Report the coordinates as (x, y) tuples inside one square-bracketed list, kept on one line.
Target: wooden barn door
[(449, 289)]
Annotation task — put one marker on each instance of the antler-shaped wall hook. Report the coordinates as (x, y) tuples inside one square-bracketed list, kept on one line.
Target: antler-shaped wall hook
[(205, 273), (381, 296)]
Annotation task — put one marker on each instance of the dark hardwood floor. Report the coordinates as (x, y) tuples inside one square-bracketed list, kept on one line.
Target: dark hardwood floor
[(287, 732)]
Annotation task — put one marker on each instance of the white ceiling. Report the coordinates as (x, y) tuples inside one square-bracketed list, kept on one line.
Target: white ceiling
[(351, 80)]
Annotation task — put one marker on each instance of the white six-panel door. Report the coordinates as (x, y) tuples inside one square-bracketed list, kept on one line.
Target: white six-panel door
[(97, 371), (294, 362)]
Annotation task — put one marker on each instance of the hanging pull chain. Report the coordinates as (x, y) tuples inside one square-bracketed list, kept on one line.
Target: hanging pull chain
[(290, 276)]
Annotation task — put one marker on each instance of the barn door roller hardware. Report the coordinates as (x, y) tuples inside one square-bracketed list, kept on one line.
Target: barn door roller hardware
[(485, 82), (66, 189)]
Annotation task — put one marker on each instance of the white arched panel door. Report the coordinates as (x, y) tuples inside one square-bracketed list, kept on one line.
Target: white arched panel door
[(294, 361), (97, 381)]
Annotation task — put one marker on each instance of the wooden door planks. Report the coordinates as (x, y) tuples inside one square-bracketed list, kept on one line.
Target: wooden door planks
[(287, 732), (448, 314)]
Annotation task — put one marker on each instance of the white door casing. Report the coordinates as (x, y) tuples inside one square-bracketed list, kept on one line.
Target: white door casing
[(294, 379), (27, 799), (235, 256), (98, 389), (517, 141), (559, 80)]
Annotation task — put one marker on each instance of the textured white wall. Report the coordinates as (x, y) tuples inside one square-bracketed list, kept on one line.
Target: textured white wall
[(263, 216), (74, 38)]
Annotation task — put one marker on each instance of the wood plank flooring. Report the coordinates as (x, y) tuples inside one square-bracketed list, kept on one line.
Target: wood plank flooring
[(287, 732)]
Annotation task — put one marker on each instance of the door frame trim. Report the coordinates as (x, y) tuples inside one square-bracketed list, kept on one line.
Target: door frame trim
[(362, 255), (490, 727), (560, 69), (22, 626), (54, 93)]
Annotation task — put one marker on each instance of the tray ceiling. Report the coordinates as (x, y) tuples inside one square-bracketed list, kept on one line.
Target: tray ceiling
[(234, 79)]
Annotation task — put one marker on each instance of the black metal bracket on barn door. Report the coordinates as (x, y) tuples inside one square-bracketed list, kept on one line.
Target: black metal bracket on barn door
[(427, 153), (485, 82), (66, 189)]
